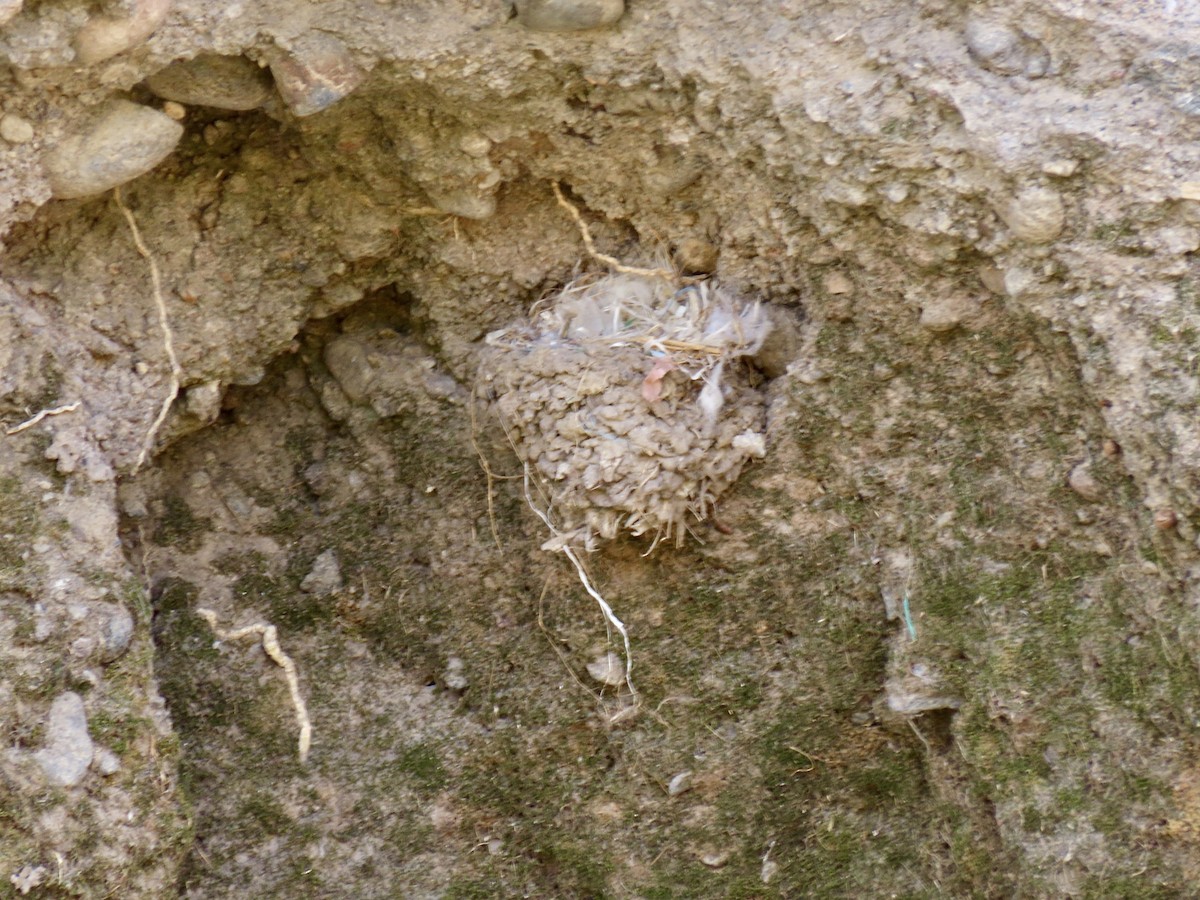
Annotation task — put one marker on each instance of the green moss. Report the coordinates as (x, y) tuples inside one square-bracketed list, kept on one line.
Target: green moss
[(179, 527), (422, 764), (19, 517)]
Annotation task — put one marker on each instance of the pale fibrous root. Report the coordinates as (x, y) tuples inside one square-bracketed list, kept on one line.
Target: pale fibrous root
[(269, 637), (610, 617), (30, 422), (176, 374)]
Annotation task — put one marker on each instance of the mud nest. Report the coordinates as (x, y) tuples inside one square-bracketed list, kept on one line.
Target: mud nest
[(631, 401)]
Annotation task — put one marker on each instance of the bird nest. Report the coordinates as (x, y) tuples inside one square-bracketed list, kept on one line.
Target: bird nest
[(631, 402)]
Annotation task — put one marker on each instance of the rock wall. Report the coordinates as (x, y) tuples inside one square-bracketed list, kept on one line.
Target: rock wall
[(941, 638)]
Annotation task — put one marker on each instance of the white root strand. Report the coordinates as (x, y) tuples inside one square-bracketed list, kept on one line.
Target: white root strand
[(164, 324), (29, 423), (609, 615), (269, 637)]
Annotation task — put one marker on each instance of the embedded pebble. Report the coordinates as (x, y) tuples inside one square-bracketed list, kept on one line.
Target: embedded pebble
[(1082, 482), (455, 677), (317, 74), (992, 278), (714, 858), (1035, 215), (68, 750), (106, 36), (125, 140), (350, 367), (15, 130), (1001, 49), (204, 400), (679, 784), (1061, 168), (1165, 519), (607, 669), (222, 82), (118, 633), (324, 577), (105, 762), (568, 15), (837, 283), (943, 314)]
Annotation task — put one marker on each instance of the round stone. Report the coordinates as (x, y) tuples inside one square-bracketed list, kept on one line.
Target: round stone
[(124, 141), (15, 130), (1035, 215), (568, 15), (222, 82)]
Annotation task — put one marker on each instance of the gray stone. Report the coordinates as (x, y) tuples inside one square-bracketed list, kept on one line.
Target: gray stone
[(118, 633), (568, 15), (68, 750), (106, 36), (222, 82), (347, 362), (679, 784), (1081, 480), (204, 400), (105, 762), (125, 140), (456, 678), (324, 577)]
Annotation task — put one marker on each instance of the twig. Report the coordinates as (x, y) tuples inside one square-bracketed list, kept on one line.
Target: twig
[(270, 644), (168, 337), (610, 261), (29, 423)]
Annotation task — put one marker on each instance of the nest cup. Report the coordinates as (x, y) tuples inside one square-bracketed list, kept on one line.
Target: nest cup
[(632, 401)]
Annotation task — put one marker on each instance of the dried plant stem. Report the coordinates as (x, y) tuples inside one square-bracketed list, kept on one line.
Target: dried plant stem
[(269, 637), (610, 261), (164, 324)]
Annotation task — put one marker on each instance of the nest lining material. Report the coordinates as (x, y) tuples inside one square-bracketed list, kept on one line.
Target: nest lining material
[(631, 400)]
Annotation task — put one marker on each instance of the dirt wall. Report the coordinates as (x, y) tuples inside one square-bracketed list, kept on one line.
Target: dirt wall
[(939, 639)]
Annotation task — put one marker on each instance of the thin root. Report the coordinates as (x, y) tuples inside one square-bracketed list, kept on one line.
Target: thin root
[(609, 616), (269, 637), (611, 261), (29, 423), (168, 337)]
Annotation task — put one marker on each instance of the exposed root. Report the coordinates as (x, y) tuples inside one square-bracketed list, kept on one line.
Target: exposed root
[(164, 324), (29, 423), (610, 261), (609, 616), (269, 637)]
